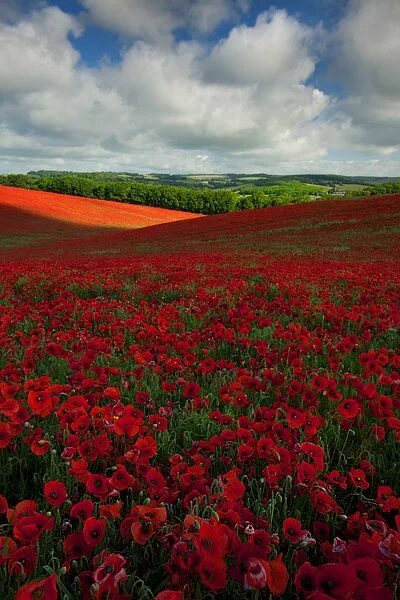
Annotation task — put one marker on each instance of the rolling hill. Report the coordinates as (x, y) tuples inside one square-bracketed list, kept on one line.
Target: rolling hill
[(49, 225), (30, 217)]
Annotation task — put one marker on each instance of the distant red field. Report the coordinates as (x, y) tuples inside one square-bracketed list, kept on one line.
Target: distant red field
[(30, 217), (358, 229)]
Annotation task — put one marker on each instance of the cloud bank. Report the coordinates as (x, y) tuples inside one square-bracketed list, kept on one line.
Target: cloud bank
[(245, 100)]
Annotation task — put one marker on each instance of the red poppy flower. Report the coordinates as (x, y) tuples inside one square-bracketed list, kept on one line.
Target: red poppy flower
[(306, 581), (292, 530), (142, 531), (369, 573), (324, 503), (336, 580), (3, 505), (212, 573), (40, 403), (7, 547), (126, 425), (191, 390), (169, 595), (155, 514), (99, 486), (76, 546), (112, 393), (40, 447), (94, 531), (5, 435), (261, 539), (82, 510), (358, 479), (277, 577), (211, 541), (110, 511), (29, 529), (55, 493), (43, 588), (145, 448), (256, 574), (22, 562), (111, 572), (121, 479), (234, 489), (349, 408)]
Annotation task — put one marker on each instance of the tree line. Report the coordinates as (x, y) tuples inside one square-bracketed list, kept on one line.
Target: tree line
[(177, 198)]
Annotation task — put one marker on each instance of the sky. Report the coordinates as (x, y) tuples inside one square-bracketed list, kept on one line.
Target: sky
[(200, 86)]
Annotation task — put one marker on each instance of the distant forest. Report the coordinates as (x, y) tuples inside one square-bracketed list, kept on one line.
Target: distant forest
[(206, 194)]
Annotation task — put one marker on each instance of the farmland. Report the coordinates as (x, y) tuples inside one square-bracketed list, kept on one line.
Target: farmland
[(206, 408), (33, 217)]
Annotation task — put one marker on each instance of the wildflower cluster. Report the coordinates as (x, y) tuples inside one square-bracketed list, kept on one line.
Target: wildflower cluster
[(194, 427)]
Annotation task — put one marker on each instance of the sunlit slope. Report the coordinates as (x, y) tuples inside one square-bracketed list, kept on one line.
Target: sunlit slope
[(53, 215)]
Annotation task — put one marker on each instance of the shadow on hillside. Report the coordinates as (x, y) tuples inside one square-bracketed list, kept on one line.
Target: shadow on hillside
[(21, 228)]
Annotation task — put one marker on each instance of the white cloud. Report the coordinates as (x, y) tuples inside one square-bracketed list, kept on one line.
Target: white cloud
[(36, 53), (368, 62), (160, 102), (155, 20), (276, 49), (245, 104)]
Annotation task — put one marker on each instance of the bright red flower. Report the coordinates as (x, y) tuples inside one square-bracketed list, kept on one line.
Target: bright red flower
[(121, 479), (191, 390), (40, 447), (126, 425), (29, 529), (142, 531), (349, 408), (256, 574), (277, 577), (145, 448), (40, 403), (99, 486), (212, 573), (94, 531), (55, 493), (211, 540)]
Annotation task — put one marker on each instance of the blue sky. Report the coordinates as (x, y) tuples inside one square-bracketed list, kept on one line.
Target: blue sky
[(200, 85)]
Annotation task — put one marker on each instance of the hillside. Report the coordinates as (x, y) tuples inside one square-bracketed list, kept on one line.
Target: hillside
[(29, 217), (342, 229)]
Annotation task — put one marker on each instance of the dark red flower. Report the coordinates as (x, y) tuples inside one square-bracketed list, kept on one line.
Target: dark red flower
[(22, 562), (292, 530), (43, 588), (82, 510), (76, 546)]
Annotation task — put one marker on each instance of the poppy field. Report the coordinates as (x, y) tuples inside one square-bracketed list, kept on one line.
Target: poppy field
[(209, 414)]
